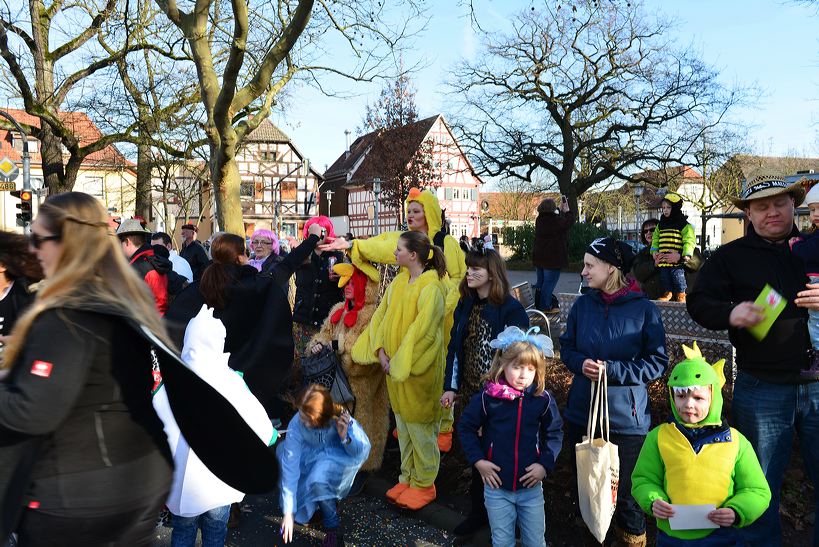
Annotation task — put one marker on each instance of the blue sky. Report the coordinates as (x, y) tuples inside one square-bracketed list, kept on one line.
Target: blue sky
[(769, 43)]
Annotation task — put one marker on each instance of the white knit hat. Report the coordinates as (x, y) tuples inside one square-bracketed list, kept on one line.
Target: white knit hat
[(813, 195)]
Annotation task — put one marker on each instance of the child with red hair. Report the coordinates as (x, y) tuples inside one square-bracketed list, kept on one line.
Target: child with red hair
[(320, 456)]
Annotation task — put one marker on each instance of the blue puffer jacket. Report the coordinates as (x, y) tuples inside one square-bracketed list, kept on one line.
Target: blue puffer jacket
[(515, 433), (628, 335), (508, 314)]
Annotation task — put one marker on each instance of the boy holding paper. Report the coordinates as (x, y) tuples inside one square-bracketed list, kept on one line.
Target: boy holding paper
[(695, 464)]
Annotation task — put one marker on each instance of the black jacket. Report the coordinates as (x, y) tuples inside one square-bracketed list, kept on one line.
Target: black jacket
[(550, 249), (196, 256), (737, 272), (316, 292), (14, 304), (259, 329), (78, 432)]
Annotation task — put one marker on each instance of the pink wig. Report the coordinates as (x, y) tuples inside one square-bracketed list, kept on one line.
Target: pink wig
[(322, 221), (269, 235)]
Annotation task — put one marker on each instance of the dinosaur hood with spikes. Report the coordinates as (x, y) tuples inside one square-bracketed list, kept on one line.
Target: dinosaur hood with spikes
[(695, 372)]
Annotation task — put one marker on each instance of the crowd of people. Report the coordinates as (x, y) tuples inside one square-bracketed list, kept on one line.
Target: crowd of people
[(103, 423)]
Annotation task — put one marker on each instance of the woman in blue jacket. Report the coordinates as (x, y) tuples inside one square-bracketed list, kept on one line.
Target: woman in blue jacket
[(484, 310), (619, 329)]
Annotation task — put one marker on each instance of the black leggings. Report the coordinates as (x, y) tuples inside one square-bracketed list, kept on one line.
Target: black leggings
[(134, 528)]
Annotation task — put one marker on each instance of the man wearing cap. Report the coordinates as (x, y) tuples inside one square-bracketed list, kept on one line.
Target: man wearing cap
[(771, 402), (151, 262), (193, 251)]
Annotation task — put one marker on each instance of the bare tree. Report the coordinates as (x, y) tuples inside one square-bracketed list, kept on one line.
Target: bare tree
[(581, 92), (266, 45), (50, 54)]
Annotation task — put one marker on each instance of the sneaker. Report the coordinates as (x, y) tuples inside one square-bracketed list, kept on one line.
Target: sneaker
[(666, 297), (679, 297), (333, 538), (471, 524)]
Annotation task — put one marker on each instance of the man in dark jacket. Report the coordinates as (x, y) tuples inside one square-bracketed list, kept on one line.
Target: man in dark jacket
[(193, 251), (147, 260), (770, 400), (550, 251)]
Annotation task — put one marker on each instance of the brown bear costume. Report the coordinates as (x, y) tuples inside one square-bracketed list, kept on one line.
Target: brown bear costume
[(342, 327)]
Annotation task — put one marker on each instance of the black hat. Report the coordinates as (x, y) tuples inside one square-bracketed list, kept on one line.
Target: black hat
[(617, 253)]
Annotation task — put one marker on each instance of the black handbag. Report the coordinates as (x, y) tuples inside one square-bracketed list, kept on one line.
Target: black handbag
[(325, 369)]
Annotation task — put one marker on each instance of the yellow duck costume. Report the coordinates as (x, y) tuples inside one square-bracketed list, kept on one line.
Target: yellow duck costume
[(408, 325), (381, 248), (344, 324)]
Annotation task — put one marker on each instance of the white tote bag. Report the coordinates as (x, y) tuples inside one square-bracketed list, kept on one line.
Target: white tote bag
[(598, 464)]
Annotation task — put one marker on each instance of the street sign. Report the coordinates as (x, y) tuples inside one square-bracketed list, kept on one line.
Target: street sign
[(7, 186), (8, 170)]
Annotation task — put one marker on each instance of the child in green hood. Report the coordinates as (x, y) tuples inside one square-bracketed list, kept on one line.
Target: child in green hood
[(696, 459)]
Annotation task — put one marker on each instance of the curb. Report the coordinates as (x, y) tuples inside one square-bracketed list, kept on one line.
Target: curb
[(435, 514)]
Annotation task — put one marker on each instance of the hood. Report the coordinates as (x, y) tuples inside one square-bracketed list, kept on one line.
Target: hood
[(204, 340), (156, 255), (432, 209), (365, 293), (695, 371)]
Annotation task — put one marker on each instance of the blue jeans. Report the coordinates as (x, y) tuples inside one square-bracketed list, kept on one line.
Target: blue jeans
[(673, 279), (813, 321), (329, 511), (547, 281), (213, 524), (768, 415), (721, 537), (524, 506)]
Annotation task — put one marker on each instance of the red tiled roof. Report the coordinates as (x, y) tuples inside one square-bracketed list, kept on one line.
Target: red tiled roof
[(81, 125), (407, 135)]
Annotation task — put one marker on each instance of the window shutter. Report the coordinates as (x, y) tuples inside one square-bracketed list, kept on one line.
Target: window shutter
[(448, 193), (474, 193)]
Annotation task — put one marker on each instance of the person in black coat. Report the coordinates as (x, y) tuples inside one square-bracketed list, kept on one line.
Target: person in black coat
[(84, 459), (255, 313), (550, 250), (19, 269), (193, 251)]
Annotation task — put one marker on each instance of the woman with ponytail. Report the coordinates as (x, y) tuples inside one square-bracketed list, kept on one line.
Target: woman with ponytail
[(406, 336), (320, 456)]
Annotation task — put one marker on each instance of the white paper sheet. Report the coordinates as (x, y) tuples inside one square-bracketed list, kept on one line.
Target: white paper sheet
[(691, 517)]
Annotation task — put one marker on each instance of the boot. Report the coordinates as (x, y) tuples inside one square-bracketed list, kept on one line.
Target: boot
[(333, 537), (477, 517), (811, 373), (665, 297), (416, 498), (395, 492), (445, 441), (679, 297), (235, 513), (624, 539)]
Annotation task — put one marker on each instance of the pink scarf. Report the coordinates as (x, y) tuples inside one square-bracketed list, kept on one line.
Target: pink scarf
[(502, 390)]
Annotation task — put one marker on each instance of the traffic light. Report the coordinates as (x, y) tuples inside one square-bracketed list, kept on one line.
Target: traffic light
[(24, 216)]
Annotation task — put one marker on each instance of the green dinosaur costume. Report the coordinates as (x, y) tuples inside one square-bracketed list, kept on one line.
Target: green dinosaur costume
[(702, 463)]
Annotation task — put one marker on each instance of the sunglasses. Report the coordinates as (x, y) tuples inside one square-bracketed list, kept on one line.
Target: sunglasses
[(36, 241), (649, 231), (261, 242)]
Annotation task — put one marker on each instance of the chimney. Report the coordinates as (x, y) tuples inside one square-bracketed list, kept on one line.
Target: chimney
[(347, 143)]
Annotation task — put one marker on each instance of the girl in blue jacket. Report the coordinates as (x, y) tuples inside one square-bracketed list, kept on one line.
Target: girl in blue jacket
[(614, 326), (484, 310), (521, 436)]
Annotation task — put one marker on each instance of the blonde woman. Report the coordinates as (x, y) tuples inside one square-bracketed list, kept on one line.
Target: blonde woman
[(83, 456), (617, 328)]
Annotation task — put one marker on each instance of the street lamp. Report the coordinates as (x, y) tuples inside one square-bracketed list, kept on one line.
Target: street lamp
[(329, 195), (377, 192), (638, 192)]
